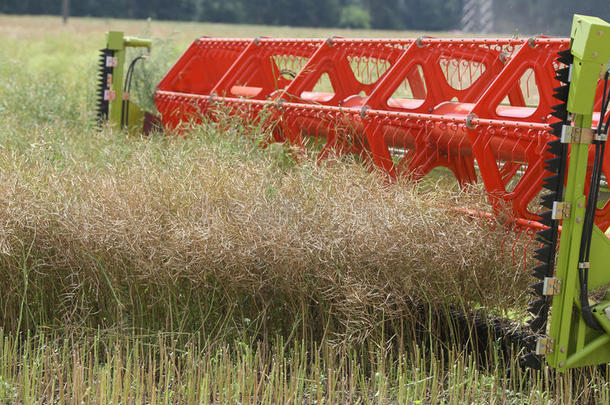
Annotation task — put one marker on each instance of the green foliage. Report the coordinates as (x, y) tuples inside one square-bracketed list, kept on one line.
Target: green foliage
[(353, 16), (548, 16), (150, 71), (105, 367)]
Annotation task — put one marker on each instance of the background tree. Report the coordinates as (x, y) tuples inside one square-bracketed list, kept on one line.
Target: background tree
[(353, 16), (65, 10), (525, 16)]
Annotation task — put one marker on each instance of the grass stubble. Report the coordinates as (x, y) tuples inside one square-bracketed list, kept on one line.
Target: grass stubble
[(205, 269)]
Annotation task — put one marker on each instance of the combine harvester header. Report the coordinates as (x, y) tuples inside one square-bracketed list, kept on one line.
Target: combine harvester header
[(520, 115)]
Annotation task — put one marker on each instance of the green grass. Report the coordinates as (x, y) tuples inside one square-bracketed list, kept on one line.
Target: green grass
[(208, 270), (107, 368)]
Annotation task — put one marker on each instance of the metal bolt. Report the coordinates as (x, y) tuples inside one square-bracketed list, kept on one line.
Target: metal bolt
[(469, 119), (532, 42), (419, 42), (363, 110), (594, 54), (563, 349), (578, 220), (600, 33), (561, 364), (581, 204)]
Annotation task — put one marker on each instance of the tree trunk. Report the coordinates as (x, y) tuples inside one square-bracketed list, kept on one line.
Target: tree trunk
[(65, 10)]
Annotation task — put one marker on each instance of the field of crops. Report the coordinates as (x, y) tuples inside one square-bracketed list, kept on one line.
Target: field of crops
[(206, 269)]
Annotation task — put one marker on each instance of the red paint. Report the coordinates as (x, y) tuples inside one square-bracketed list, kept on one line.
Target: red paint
[(411, 133)]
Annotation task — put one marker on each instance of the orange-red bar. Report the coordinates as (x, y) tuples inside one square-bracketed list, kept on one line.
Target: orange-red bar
[(479, 107)]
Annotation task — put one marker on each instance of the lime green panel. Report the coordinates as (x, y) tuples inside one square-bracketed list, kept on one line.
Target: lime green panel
[(575, 344), (582, 89), (599, 273), (116, 41), (596, 352), (591, 39), (591, 49), (136, 119)]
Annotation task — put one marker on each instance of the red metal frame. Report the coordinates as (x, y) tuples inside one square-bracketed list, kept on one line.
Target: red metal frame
[(479, 107)]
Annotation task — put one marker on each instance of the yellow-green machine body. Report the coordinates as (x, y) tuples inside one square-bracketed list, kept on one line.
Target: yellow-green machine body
[(114, 100)]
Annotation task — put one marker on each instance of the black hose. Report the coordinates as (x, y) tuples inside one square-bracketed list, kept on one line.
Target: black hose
[(127, 89), (589, 220)]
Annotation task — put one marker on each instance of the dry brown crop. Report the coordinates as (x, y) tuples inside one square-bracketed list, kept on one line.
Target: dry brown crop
[(158, 227)]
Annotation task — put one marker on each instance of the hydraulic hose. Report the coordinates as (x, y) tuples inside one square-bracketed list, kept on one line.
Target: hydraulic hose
[(592, 198)]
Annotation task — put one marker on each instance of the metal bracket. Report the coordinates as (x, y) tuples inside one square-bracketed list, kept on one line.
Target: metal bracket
[(561, 210), (363, 110), (469, 118), (109, 95), (419, 41), (531, 42), (112, 61), (570, 134), (279, 104), (330, 41), (552, 286), (544, 346)]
